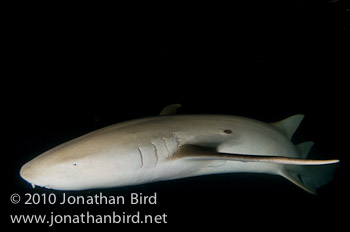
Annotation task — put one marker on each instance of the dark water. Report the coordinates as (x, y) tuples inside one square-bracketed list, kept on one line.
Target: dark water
[(78, 68)]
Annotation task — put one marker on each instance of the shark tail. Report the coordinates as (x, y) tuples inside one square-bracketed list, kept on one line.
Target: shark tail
[(308, 177)]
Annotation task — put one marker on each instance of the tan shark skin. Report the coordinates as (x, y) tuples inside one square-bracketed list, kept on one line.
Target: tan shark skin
[(178, 146)]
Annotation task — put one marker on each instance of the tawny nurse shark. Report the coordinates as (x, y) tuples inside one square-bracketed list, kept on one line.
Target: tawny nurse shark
[(169, 147)]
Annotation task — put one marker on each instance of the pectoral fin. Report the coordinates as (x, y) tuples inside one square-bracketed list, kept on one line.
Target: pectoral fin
[(169, 110), (194, 152)]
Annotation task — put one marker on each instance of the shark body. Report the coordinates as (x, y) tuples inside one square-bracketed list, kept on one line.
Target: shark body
[(178, 146)]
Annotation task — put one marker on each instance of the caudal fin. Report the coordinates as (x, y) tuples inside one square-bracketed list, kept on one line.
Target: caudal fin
[(309, 178)]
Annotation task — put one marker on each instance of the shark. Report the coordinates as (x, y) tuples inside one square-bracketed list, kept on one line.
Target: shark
[(172, 146)]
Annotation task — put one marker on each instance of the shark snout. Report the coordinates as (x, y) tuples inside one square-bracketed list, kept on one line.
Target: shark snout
[(27, 173), (30, 173)]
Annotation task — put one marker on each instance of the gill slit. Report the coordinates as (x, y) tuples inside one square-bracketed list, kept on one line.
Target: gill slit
[(155, 153), (141, 156)]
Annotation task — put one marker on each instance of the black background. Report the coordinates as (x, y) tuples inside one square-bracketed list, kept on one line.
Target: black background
[(79, 67)]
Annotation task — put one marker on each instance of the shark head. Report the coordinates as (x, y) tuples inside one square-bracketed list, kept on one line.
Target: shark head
[(82, 164)]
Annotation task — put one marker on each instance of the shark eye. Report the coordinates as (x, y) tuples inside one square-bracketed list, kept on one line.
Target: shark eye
[(75, 164)]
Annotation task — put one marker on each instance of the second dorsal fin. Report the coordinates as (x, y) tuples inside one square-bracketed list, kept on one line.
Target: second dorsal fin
[(304, 148)]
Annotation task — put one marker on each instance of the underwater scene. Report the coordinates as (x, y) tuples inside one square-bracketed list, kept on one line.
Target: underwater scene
[(190, 115)]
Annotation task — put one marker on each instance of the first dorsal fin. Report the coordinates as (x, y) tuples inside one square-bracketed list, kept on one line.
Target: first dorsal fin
[(289, 125)]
